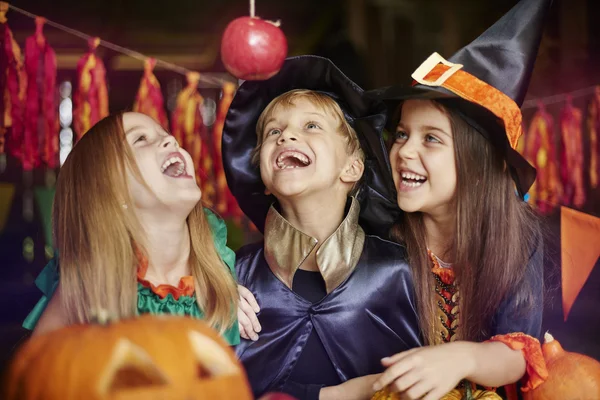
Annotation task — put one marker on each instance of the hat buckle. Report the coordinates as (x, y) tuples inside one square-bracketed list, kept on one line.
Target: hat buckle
[(429, 64)]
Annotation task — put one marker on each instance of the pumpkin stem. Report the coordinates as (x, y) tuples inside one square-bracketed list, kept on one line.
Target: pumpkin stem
[(101, 317), (548, 338), (468, 391)]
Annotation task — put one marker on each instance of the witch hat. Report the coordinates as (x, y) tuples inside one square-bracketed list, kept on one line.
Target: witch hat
[(486, 82), (366, 116)]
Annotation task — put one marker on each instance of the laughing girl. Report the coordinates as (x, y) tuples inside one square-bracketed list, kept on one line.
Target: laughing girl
[(132, 234)]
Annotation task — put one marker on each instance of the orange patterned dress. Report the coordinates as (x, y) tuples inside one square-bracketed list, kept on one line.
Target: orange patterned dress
[(447, 299)]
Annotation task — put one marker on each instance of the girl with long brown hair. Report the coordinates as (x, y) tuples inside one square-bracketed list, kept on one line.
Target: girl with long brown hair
[(474, 245), (132, 234)]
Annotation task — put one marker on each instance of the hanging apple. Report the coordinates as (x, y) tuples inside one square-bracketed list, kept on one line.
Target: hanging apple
[(253, 49)]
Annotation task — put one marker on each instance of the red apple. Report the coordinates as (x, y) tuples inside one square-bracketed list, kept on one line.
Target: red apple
[(253, 49)]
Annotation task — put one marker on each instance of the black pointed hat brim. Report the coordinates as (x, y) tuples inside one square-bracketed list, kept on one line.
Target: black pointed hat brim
[(480, 118), (367, 116)]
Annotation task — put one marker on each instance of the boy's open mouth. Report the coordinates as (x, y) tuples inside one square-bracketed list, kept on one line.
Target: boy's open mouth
[(288, 159), (174, 165), (411, 179)]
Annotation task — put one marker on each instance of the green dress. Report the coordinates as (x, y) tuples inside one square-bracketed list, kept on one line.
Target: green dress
[(148, 300)]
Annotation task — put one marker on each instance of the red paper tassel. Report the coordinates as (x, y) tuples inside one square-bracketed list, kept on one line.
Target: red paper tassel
[(540, 150), (571, 167), (14, 90), (593, 123), (91, 98), (40, 107), (3, 88), (149, 99), (190, 132)]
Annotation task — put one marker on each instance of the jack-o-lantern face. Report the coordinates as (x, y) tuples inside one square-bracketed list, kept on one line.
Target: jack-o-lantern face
[(151, 357)]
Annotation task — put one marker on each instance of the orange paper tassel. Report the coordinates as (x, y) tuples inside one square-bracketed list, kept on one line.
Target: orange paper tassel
[(593, 123), (91, 98), (13, 91), (227, 205), (540, 151), (522, 149), (521, 142), (571, 155), (189, 130), (186, 116), (149, 99)]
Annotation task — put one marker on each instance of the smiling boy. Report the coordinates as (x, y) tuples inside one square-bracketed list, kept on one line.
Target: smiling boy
[(333, 299)]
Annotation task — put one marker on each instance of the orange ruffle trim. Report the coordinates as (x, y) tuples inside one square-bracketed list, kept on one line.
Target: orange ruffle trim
[(536, 371), (446, 275), (184, 288)]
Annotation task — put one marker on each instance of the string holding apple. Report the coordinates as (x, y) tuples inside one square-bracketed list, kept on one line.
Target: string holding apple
[(253, 48)]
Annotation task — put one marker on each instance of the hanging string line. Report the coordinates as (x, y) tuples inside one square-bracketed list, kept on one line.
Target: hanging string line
[(131, 53), (558, 98)]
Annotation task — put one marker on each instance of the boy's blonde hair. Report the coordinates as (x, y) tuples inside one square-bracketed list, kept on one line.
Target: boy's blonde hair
[(320, 100)]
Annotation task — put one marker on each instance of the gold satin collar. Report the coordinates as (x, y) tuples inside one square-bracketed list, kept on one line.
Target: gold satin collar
[(286, 248)]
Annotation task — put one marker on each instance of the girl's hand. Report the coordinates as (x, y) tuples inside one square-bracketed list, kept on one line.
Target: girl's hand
[(247, 309), (429, 372)]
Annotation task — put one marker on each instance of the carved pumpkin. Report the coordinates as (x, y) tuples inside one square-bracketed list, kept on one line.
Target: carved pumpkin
[(150, 357), (455, 394), (570, 375)]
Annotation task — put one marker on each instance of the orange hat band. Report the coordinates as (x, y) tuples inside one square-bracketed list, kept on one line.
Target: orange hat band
[(449, 76)]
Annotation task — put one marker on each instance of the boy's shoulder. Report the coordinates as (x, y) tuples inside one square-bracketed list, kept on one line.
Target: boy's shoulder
[(246, 260), (384, 247), (249, 250)]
